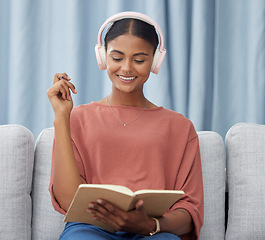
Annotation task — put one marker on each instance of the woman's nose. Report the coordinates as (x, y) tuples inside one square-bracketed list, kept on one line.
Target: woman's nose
[(126, 66)]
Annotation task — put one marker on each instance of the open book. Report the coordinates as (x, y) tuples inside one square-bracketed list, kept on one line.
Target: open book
[(156, 202)]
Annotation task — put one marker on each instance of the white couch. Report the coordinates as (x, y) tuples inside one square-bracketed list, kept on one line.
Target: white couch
[(26, 211)]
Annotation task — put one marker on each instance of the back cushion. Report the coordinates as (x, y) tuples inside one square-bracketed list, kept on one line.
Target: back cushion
[(16, 165), (47, 223), (245, 144), (213, 169)]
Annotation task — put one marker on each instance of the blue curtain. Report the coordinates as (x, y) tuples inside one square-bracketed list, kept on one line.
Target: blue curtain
[(214, 71)]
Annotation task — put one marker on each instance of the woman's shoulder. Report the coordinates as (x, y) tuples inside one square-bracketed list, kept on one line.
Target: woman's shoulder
[(83, 111), (178, 121), (87, 107), (175, 116)]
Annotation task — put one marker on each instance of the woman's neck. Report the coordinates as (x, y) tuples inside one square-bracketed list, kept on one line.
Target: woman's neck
[(127, 99)]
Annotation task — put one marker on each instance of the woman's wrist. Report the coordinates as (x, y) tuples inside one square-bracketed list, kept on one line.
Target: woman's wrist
[(150, 227), (62, 118), (157, 229)]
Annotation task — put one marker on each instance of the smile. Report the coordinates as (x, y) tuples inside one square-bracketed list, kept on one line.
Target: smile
[(126, 78)]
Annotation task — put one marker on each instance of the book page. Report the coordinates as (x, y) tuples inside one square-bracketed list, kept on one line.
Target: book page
[(158, 191), (157, 202), (116, 188)]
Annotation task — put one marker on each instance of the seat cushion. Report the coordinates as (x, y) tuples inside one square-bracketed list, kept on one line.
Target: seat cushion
[(46, 222), (16, 165), (213, 170), (245, 144)]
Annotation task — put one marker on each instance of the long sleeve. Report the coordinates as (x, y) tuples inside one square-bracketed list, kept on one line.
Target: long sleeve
[(189, 179), (80, 167)]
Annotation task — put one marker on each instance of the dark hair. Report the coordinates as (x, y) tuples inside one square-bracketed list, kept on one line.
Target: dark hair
[(135, 27)]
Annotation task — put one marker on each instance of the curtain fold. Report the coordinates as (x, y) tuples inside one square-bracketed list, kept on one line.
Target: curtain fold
[(213, 73)]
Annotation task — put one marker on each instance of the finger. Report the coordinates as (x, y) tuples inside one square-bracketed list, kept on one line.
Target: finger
[(99, 217), (97, 207), (68, 92), (100, 213), (71, 86), (63, 92), (108, 206), (114, 216), (139, 205), (60, 76), (63, 87), (65, 76)]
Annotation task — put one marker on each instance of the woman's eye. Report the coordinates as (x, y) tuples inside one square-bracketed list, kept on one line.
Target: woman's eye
[(139, 61), (116, 59)]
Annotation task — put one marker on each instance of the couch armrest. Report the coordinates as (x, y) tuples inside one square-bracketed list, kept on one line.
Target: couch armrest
[(16, 165)]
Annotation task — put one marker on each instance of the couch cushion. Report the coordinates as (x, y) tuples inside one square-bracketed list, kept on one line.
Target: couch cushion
[(245, 144), (213, 169), (46, 222), (16, 165)]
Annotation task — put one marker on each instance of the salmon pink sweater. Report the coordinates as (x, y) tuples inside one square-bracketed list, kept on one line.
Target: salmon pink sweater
[(160, 150)]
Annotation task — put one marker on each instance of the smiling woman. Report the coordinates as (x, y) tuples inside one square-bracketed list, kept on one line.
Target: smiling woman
[(129, 61), (124, 139)]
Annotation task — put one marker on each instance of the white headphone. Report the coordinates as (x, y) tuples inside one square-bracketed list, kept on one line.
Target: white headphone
[(159, 53)]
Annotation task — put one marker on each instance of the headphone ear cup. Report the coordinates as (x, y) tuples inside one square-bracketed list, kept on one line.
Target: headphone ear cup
[(157, 60), (101, 56)]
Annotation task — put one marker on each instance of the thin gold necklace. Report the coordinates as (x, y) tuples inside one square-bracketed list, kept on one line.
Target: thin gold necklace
[(123, 123)]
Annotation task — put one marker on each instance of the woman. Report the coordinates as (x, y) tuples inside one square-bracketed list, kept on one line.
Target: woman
[(124, 139)]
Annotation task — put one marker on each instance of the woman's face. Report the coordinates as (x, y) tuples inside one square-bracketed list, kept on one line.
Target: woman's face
[(129, 60)]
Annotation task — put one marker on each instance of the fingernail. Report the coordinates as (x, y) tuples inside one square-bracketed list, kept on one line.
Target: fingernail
[(75, 91), (100, 201), (91, 205)]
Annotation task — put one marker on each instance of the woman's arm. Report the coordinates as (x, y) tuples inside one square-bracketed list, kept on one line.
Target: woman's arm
[(178, 222), (66, 178)]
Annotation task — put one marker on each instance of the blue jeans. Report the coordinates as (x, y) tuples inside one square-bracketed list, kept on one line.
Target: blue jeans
[(82, 231)]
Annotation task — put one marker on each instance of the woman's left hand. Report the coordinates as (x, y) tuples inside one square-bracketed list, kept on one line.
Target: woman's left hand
[(135, 221)]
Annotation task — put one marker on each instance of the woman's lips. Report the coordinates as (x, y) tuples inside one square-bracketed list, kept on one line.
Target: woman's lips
[(126, 79)]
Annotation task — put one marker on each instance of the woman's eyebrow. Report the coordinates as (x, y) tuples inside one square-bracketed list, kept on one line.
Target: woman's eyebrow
[(116, 51), (140, 53), (136, 54)]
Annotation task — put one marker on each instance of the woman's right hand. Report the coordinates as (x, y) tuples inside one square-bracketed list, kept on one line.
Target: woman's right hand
[(60, 95)]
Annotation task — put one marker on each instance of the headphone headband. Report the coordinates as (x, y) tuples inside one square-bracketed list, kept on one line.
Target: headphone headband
[(134, 15), (159, 54)]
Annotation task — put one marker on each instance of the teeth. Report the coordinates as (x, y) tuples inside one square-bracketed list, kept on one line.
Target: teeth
[(127, 79)]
